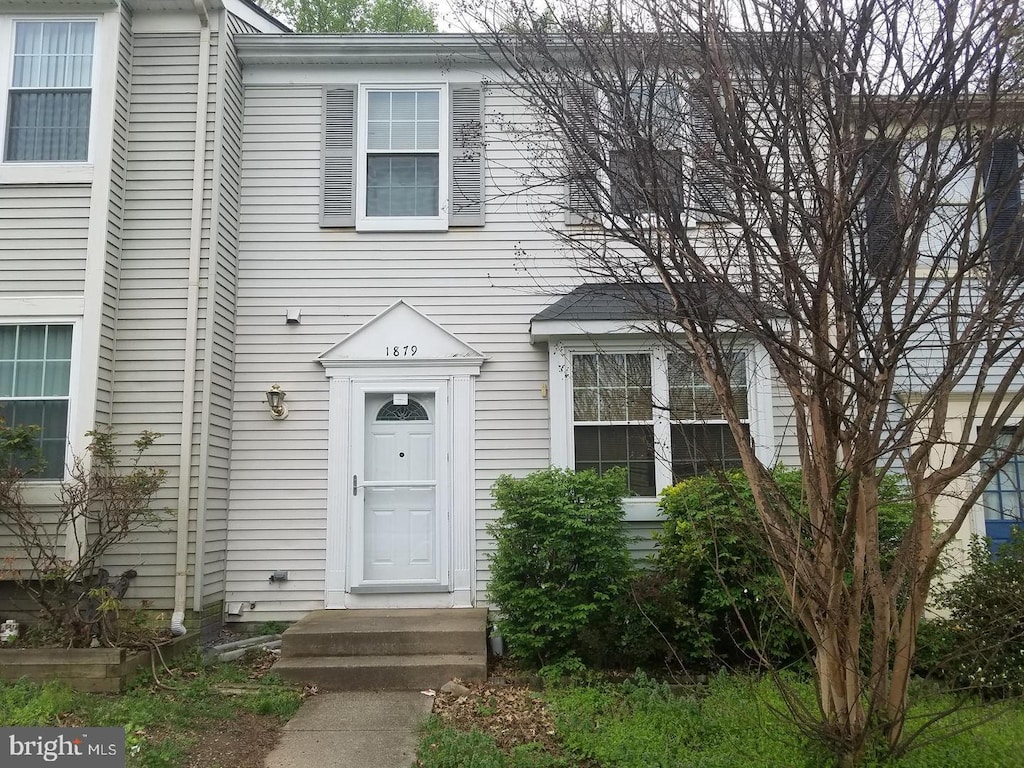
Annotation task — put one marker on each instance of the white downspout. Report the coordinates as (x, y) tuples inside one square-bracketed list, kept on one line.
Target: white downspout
[(191, 326)]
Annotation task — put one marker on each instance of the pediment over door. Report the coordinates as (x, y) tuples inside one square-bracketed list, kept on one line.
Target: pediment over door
[(401, 337)]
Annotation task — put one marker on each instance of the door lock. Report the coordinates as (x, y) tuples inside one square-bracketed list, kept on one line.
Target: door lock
[(355, 485)]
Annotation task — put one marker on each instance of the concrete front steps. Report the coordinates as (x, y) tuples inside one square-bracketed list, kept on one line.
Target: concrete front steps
[(368, 650)]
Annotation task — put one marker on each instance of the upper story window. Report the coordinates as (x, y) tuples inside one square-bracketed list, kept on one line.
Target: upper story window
[(646, 161), (403, 177), (49, 97), (35, 386), (403, 157), (648, 153), (960, 212)]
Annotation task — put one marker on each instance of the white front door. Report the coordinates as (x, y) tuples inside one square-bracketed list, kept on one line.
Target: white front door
[(400, 471), (400, 506)]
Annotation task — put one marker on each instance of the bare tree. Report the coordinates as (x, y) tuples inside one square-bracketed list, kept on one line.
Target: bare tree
[(104, 500), (837, 182)]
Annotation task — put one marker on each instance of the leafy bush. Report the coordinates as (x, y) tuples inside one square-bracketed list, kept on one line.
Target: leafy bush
[(980, 644), (712, 560), (712, 591), (561, 560)]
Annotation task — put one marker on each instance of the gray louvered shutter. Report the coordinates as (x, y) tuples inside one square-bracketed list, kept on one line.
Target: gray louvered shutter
[(467, 156), (338, 187), (1003, 202), (581, 144), (709, 196), (880, 240)]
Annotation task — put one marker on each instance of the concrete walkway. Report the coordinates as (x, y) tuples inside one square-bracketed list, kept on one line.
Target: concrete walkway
[(359, 729)]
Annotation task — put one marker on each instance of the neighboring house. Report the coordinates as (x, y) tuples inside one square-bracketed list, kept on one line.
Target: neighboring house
[(227, 208), (119, 173)]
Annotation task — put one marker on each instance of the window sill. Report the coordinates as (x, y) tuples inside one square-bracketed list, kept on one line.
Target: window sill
[(46, 173), (41, 493), (641, 509), (402, 225)]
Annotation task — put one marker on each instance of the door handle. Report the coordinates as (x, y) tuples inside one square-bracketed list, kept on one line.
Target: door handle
[(355, 485)]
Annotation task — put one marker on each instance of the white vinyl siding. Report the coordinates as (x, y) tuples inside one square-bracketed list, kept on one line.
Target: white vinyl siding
[(481, 284), (215, 441), (45, 232), (149, 349), (115, 219)]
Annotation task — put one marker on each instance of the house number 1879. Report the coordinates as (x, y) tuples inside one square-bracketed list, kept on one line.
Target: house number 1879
[(409, 350)]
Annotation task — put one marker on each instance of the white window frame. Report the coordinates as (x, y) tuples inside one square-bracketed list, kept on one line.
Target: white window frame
[(436, 223), (58, 171), (75, 391), (560, 392)]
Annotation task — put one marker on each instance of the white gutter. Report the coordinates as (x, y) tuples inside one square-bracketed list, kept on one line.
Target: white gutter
[(191, 325)]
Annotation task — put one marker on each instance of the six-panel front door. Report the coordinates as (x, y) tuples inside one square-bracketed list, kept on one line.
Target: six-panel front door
[(400, 538)]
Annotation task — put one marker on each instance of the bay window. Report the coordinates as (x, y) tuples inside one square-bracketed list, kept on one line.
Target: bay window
[(652, 413)]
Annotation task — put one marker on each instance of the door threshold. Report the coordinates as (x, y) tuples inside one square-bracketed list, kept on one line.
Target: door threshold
[(400, 589)]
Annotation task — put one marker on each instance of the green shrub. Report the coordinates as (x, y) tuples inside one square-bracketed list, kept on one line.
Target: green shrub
[(713, 563), (561, 560), (980, 644), (712, 590)]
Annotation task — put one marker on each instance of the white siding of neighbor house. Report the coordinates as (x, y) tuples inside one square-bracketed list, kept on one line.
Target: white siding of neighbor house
[(45, 231), (219, 313), (115, 220), (150, 335)]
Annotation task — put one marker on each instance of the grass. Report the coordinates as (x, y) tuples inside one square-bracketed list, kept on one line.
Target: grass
[(738, 721), (161, 724)]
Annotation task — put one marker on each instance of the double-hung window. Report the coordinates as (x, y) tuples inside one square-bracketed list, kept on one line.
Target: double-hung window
[(645, 159), (701, 438), (613, 415), (35, 386), (648, 155), (403, 157), (652, 413), (404, 177), (49, 98), (944, 231), (954, 219)]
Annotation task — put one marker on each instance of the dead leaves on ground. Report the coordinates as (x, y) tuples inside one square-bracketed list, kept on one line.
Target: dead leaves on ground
[(509, 714)]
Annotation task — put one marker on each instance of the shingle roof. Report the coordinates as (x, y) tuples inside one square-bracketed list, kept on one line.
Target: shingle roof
[(607, 301), (616, 301)]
